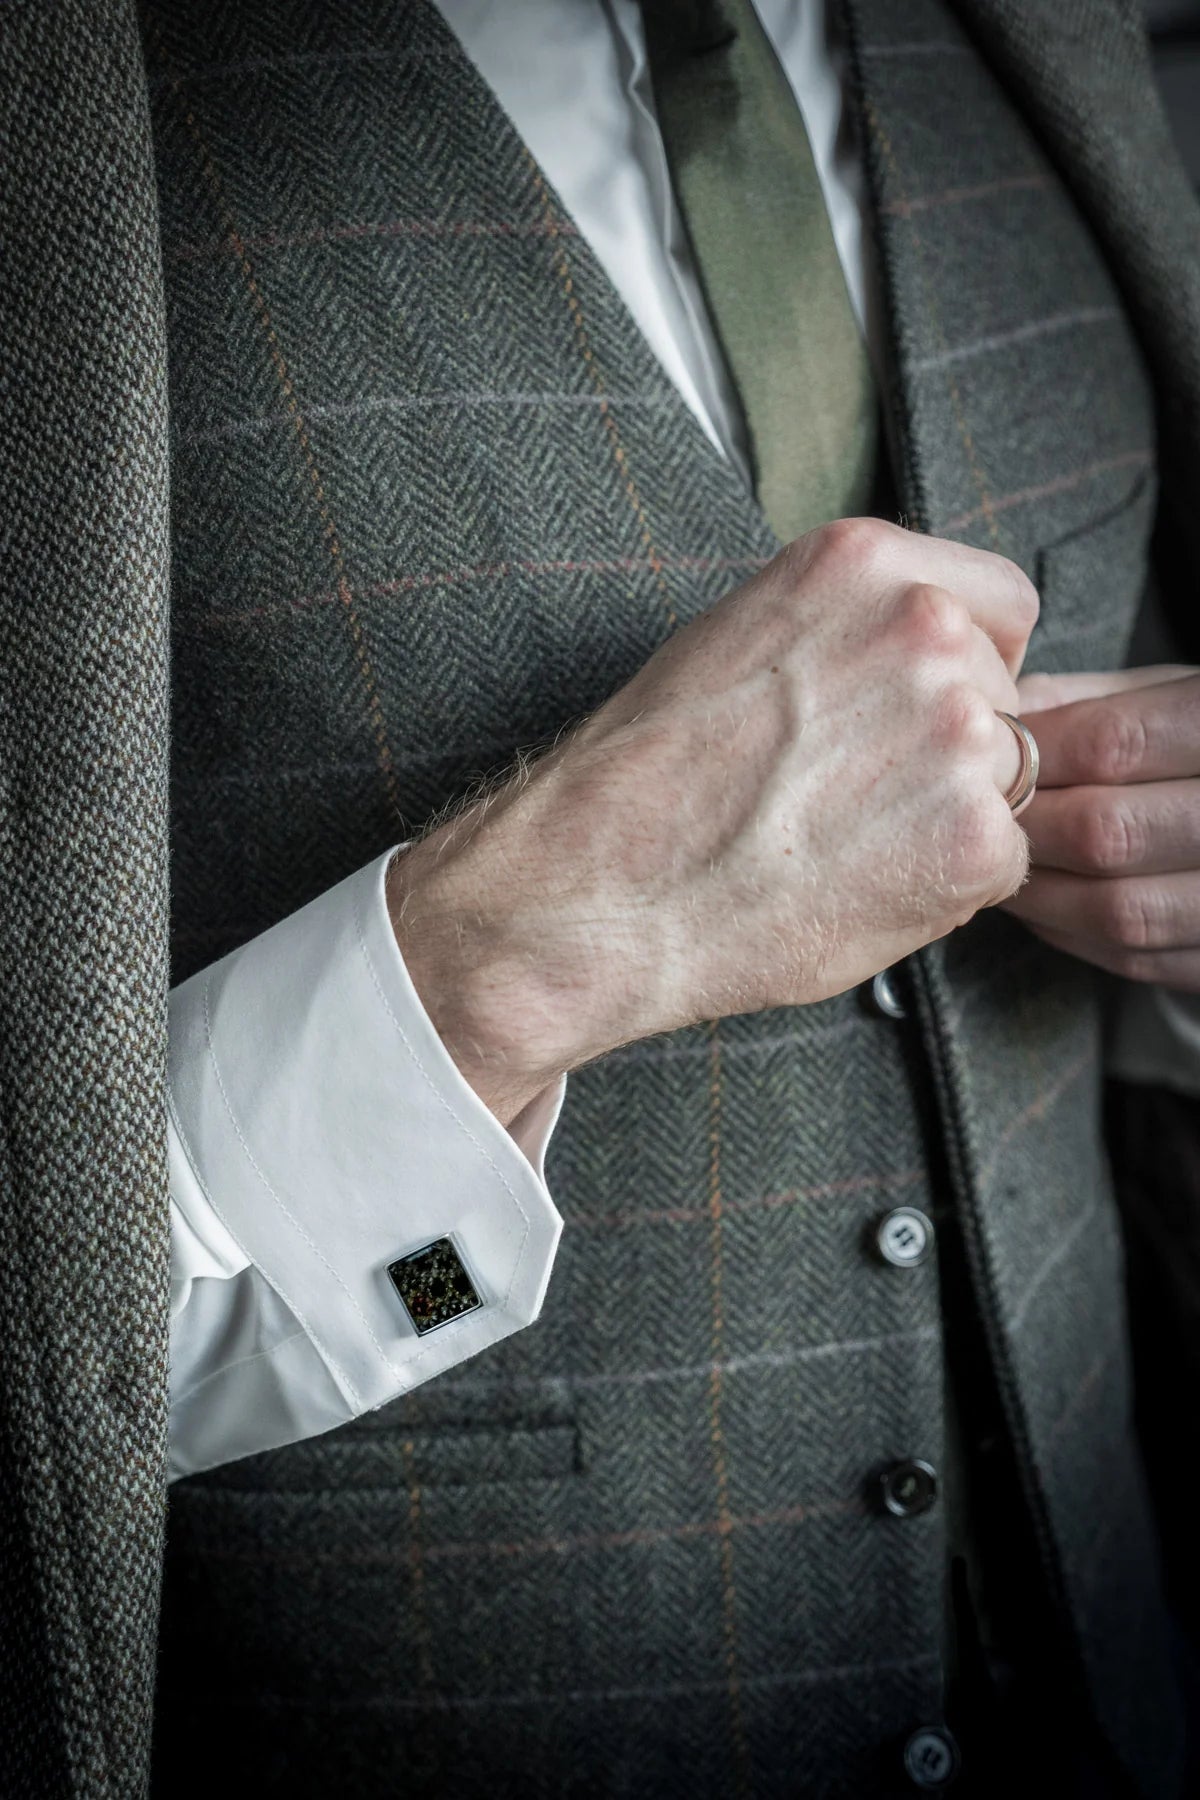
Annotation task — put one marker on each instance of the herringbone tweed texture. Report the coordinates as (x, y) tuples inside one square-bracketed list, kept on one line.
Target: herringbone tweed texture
[(1083, 71), (432, 496), (83, 868)]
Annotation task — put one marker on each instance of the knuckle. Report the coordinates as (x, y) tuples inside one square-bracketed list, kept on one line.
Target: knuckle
[(1114, 744), (1127, 917), (844, 551), (932, 621), (853, 544), (1106, 838), (963, 721)]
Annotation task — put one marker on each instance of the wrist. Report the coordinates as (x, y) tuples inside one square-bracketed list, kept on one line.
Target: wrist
[(511, 986)]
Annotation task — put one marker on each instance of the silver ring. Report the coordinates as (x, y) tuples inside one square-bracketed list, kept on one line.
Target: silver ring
[(1023, 789)]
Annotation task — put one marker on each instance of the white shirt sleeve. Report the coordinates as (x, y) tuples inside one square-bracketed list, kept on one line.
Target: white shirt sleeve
[(320, 1132)]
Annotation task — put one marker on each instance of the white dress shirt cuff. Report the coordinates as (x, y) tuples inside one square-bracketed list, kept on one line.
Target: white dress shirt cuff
[(321, 1131)]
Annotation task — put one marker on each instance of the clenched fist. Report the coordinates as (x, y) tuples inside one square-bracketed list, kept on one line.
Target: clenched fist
[(802, 786)]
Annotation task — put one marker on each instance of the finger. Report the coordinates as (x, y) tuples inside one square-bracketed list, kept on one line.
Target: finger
[(987, 691), (1000, 596), (986, 734), (1134, 913), (1177, 969), (1040, 692), (1140, 734), (990, 674), (1148, 828)]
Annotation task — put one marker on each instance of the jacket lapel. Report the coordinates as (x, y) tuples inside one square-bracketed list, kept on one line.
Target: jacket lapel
[(1080, 70), (1043, 121)]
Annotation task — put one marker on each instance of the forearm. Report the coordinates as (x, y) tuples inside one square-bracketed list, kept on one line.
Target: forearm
[(514, 940)]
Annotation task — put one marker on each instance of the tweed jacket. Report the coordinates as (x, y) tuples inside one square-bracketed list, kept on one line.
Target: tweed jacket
[(421, 494)]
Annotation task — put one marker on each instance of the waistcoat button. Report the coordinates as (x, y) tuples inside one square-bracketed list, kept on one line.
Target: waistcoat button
[(908, 1489), (904, 1237), (931, 1758), (885, 996)]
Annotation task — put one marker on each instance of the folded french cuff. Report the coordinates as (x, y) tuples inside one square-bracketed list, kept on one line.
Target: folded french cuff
[(334, 1139)]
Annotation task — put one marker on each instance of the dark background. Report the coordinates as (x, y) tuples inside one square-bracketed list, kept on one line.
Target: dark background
[(1175, 31)]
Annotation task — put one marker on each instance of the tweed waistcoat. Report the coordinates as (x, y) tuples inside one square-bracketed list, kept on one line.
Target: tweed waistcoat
[(431, 497)]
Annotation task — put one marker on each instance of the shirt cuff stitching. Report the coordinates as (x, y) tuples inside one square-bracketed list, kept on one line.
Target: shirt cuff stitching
[(284, 1209), (341, 1374), (441, 1099)]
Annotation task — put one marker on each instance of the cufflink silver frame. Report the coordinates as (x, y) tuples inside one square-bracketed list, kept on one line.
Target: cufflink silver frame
[(434, 1285)]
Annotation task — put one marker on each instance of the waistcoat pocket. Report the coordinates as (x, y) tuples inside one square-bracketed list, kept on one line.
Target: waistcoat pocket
[(382, 1453), (463, 1456)]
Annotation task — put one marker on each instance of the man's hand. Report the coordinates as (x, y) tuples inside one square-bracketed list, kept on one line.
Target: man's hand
[(802, 786), (1115, 826)]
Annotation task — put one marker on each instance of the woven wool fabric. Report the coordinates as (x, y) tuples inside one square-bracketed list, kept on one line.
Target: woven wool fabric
[(432, 496), (83, 894), (1083, 72)]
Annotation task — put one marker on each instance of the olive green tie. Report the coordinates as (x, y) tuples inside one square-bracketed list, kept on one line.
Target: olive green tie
[(747, 188)]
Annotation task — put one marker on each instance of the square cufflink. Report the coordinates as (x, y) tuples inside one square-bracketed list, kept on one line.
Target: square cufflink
[(434, 1286)]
